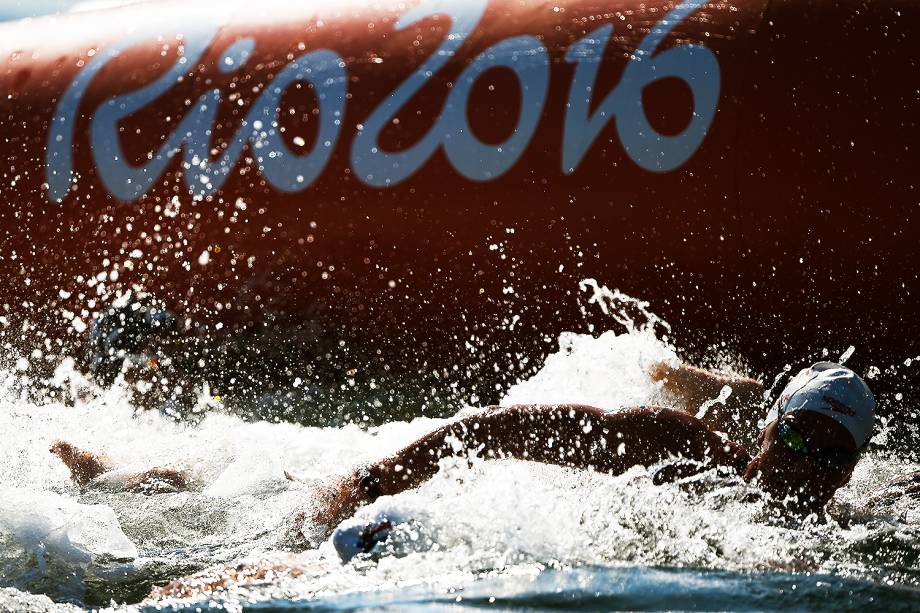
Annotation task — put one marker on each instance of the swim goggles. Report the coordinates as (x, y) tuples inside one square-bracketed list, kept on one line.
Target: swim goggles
[(835, 458)]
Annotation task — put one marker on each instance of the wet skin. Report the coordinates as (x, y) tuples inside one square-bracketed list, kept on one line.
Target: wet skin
[(795, 479)]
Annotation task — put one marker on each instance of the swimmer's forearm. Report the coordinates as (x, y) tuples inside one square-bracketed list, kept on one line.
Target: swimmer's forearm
[(697, 385), (690, 388)]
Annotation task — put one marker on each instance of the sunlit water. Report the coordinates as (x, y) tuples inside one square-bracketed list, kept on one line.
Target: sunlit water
[(502, 534)]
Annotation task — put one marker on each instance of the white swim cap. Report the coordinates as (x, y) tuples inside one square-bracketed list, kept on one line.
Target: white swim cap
[(832, 390)]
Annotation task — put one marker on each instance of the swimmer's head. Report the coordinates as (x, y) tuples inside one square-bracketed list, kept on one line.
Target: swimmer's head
[(833, 390), (813, 436)]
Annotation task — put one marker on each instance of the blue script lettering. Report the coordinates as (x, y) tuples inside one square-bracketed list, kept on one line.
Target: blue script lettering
[(324, 70), (378, 168), (526, 57), (284, 169), (60, 138), (694, 64)]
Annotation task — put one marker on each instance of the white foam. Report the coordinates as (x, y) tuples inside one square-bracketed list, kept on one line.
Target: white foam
[(45, 521), (607, 372)]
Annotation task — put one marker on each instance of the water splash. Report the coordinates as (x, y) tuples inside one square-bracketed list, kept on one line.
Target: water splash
[(618, 306), (724, 394)]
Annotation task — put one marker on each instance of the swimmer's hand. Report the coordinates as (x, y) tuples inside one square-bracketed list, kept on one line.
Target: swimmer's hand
[(95, 469), (84, 465)]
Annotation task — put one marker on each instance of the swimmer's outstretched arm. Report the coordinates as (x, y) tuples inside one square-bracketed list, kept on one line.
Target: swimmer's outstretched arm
[(577, 436)]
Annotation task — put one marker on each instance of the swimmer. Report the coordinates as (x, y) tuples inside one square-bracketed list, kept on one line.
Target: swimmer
[(96, 470), (813, 436)]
